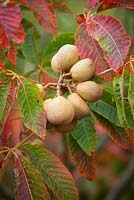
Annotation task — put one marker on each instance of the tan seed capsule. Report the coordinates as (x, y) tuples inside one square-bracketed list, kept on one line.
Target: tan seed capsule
[(80, 106), (66, 128), (90, 91), (83, 70), (60, 111), (64, 58)]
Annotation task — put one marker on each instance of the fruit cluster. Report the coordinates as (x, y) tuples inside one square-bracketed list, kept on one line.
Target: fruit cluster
[(62, 112)]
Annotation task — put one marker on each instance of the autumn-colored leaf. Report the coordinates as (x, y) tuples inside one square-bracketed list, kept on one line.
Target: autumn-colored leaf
[(10, 28), (55, 175), (84, 163), (31, 106), (112, 38), (10, 18), (44, 12), (108, 4), (122, 137), (29, 184), (89, 48), (12, 54), (92, 3), (7, 97)]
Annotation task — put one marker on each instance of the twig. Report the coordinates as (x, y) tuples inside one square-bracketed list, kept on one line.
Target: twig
[(105, 72)]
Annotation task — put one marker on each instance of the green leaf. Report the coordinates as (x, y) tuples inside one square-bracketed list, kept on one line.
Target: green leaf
[(29, 48), (131, 93), (83, 162), (29, 184), (31, 107), (55, 175), (118, 100), (123, 137), (52, 48), (121, 95), (7, 94), (106, 111), (85, 135)]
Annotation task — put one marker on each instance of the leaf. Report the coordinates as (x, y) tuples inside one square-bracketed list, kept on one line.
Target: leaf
[(112, 38), (7, 97), (131, 93), (123, 138), (92, 3), (56, 176), (31, 107), (108, 4), (106, 111), (10, 18), (117, 96), (84, 163), (44, 12), (131, 50), (85, 135), (7, 128), (120, 86), (12, 54), (89, 48), (29, 184), (52, 48), (29, 48)]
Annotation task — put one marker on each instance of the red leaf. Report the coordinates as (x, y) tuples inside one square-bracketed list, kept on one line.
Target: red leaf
[(89, 48), (6, 115), (7, 129), (12, 54), (10, 17), (63, 7), (108, 4), (84, 163), (112, 38), (45, 13), (92, 3), (123, 138)]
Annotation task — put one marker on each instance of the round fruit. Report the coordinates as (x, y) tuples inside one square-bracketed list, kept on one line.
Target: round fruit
[(46, 103), (55, 64), (83, 70), (65, 58), (89, 90), (80, 106), (66, 128), (42, 91), (59, 111)]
